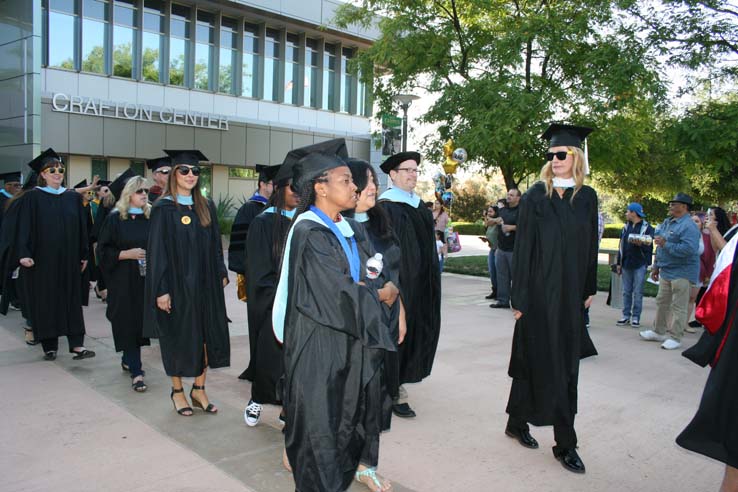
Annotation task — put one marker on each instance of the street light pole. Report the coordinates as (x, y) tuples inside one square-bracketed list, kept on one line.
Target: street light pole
[(405, 101)]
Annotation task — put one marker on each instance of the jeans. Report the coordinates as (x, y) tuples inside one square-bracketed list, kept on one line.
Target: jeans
[(440, 264), (492, 268), (633, 292), (503, 262), (132, 358)]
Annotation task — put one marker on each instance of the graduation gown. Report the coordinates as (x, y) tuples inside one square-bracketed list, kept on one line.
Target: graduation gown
[(334, 343), (52, 229), (420, 288), (266, 365), (239, 233), (3, 202), (554, 271), (185, 260), (101, 214), (9, 259), (713, 432), (125, 283)]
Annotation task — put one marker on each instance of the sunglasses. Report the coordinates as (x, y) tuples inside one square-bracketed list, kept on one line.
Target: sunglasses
[(560, 155), (185, 170), (142, 191), (162, 171), (54, 170)]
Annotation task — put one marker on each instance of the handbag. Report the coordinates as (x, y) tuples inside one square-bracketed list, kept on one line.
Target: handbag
[(454, 242)]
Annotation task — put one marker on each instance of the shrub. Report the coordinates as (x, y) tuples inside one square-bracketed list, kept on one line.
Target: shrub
[(469, 228), (225, 224), (469, 204), (612, 231)]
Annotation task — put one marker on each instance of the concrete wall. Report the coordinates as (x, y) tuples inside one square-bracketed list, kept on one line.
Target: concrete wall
[(20, 82)]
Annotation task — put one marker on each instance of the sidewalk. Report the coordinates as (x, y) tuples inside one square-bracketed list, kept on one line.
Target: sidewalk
[(78, 426)]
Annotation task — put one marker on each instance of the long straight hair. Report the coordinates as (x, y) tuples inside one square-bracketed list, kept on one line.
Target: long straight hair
[(201, 203), (547, 174)]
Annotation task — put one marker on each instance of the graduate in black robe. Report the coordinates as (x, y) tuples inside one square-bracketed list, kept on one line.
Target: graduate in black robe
[(184, 305), (11, 187), (160, 169), (329, 314), (713, 432), (51, 244), (237, 248), (121, 249), (420, 276), (554, 279), (265, 242)]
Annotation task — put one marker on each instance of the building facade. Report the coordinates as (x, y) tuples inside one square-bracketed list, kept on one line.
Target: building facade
[(110, 83)]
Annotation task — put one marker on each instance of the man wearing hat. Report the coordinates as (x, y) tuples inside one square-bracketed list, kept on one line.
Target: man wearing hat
[(634, 256), (420, 277), (676, 268), (160, 169)]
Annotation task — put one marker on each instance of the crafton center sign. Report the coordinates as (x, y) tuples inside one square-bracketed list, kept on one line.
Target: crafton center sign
[(130, 111)]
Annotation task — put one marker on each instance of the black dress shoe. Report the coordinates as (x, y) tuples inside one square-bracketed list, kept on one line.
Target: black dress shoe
[(570, 460), (403, 410), (50, 355), (500, 305), (523, 437), (491, 295)]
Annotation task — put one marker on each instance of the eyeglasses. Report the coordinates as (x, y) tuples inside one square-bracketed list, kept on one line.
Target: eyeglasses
[(409, 170), (142, 191), (185, 170), (54, 170), (162, 171), (560, 155)]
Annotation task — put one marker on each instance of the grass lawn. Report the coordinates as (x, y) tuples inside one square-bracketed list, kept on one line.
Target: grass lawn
[(477, 266)]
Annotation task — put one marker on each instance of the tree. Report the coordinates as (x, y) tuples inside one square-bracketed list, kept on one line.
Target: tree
[(502, 70)]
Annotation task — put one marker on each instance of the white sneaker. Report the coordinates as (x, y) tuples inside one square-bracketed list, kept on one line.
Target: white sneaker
[(652, 336), (671, 344), (252, 413)]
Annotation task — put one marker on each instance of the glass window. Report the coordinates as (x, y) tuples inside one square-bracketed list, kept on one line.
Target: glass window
[(311, 73), (329, 77), (250, 74), (361, 96), (152, 41), (125, 22), (62, 34), (228, 53), (292, 69), (204, 49), (206, 180), (271, 65), (100, 168), (138, 167), (94, 35), (179, 45), (241, 172), (347, 80)]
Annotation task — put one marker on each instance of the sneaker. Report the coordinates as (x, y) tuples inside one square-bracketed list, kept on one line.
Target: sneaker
[(252, 413), (652, 336), (671, 344), (635, 323), (622, 322)]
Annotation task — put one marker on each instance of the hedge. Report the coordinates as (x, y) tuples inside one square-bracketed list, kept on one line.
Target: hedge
[(613, 231), (469, 228)]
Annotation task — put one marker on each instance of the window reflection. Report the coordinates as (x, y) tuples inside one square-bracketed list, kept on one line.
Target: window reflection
[(271, 65), (347, 80), (250, 72), (62, 31), (329, 77), (179, 46), (228, 54), (292, 69), (204, 37), (124, 37), (312, 59), (152, 41)]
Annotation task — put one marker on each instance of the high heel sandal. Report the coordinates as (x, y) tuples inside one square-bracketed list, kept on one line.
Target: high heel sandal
[(196, 403), (370, 473), (182, 411)]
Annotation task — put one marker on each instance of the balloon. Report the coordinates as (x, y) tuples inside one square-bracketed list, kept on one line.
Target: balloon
[(448, 198), (459, 155), (449, 181)]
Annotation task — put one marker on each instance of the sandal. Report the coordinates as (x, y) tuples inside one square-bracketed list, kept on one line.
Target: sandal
[(50, 355), (371, 473), (138, 385), (196, 403), (184, 411), (83, 354), (125, 367), (29, 337)]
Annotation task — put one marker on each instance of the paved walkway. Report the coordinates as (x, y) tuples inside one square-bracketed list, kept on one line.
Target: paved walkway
[(77, 426)]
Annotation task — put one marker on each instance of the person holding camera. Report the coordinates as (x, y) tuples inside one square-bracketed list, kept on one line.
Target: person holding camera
[(634, 256)]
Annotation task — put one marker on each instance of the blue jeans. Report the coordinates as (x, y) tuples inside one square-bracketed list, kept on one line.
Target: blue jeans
[(440, 264), (492, 268), (633, 292)]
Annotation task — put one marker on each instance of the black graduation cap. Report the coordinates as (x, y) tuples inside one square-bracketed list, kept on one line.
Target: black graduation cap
[(267, 173), (31, 181), (189, 157), (14, 177), (154, 164), (104, 182), (81, 184), (116, 187), (395, 160), (560, 135), (313, 165), (43, 159), (336, 146)]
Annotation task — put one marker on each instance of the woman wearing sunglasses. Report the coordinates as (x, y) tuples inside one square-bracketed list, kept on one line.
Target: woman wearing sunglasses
[(555, 277), (51, 243), (121, 250), (184, 305)]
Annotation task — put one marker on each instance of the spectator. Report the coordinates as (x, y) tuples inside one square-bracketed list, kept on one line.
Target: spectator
[(634, 256), (505, 246), (719, 226), (677, 266), (441, 248), (501, 203), (491, 221), (440, 218), (707, 264)]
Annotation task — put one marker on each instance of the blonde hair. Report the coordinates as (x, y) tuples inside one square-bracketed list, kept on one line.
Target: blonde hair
[(124, 203), (577, 168)]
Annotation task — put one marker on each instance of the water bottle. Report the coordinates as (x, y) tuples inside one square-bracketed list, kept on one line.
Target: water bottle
[(374, 266), (142, 267)]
